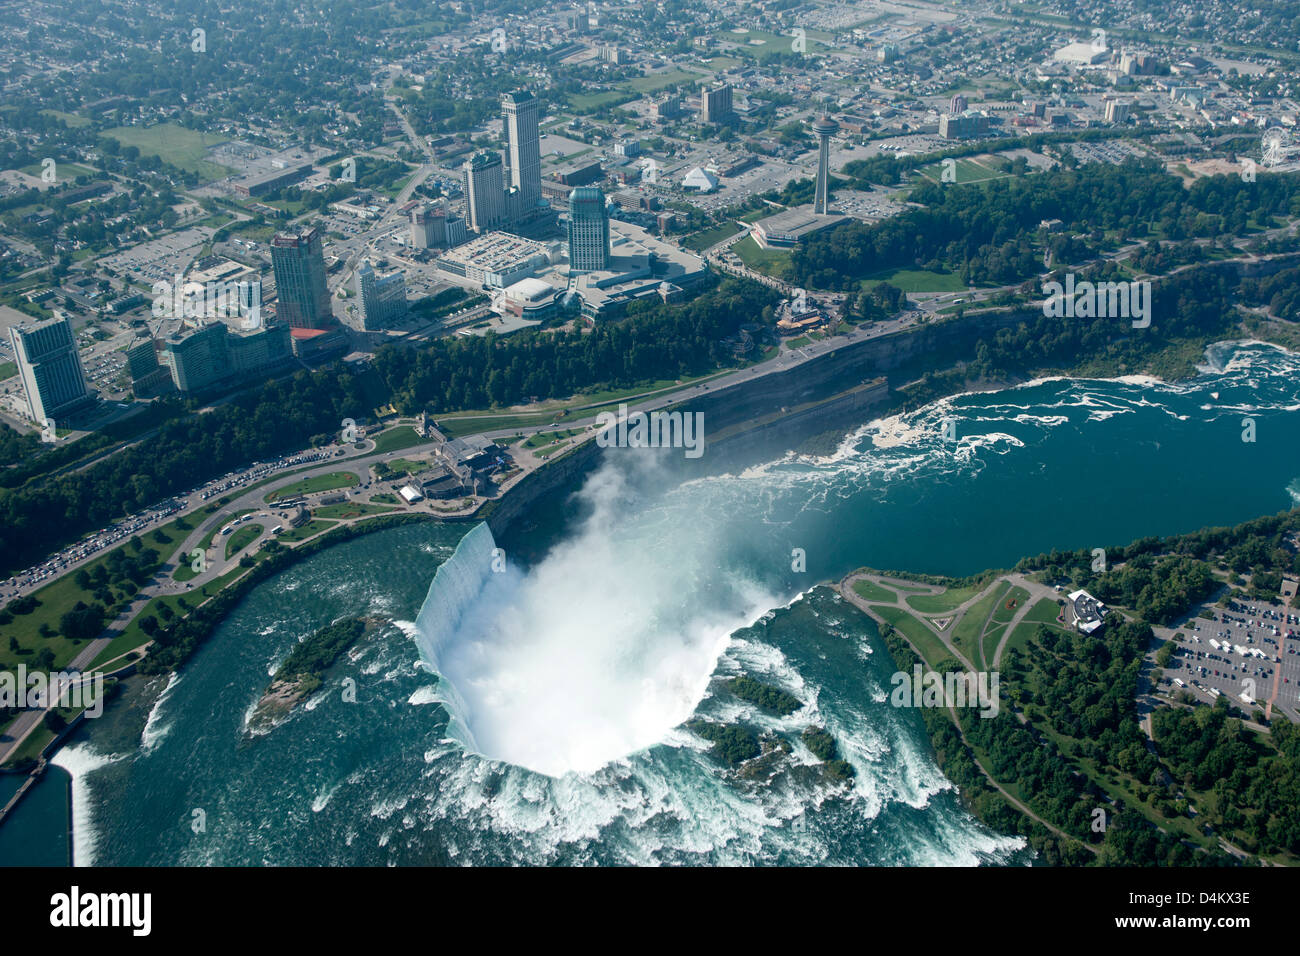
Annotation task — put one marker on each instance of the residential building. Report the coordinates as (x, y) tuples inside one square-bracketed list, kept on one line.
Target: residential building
[(212, 355), (1117, 112), (382, 299), (429, 227), (49, 366), (715, 104), (485, 192), (968, 125)]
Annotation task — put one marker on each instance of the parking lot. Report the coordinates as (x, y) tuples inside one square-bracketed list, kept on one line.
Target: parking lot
[(1248, 642), (93, 544), (159, 259), (1115, 152)]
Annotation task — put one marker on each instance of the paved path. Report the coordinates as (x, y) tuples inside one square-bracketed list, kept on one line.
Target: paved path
[(1036, 593), (1035, 590), (783, 361), (850, 595)]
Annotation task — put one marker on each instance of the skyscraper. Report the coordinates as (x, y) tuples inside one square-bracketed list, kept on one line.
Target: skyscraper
[(199, 359), (520, 116), (148, 377), (382, 298), (429, 227), (1116, 111), (50, 367), (213, 355), (302, 297), (715, 104), (485, 192), (825, 128), (588, 230)]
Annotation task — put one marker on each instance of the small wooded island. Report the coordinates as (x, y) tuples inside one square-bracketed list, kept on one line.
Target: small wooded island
[(303, 670)]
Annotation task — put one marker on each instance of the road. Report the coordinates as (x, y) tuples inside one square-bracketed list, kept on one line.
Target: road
[(388, 220), (849, 594), (785, 360), (255, 498), (386, 223)]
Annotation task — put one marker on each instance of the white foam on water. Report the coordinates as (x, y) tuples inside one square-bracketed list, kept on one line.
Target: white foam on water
[(599, 650), (323, 797), (424, 695), (79, 761), (623, 633), (155, 731), (316, 699)]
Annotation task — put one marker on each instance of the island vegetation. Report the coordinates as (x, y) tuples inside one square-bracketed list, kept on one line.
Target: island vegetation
[(303, 670), (733, 744), (824, 748), (769, 698)]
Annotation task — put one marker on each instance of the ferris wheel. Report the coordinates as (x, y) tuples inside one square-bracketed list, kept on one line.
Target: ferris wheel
[(1274, 147)]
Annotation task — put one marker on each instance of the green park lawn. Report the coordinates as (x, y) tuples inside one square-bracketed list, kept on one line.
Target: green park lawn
[(968, 631), (550, 438), (654, 82), (242, 538), (395, 439), (183, 148), (989, 643), (212, 534), (56, 598), (915, 280), (66, 172), (307, 530), (941, 603), (407, 466), (73, 120), (165, 609), (966, 170), (307, 486), (699, 241), (1004, 614), (587, 101), (471, 422), (770, 262), (873, 592), (354, 509), (1044, 611), (929, 646), (458, 427)]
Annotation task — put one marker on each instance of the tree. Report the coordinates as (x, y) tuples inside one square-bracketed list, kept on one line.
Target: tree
[(1165, 654)]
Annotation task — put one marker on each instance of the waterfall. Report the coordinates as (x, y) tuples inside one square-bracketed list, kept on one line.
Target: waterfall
[(457, 585), (598, 650)]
